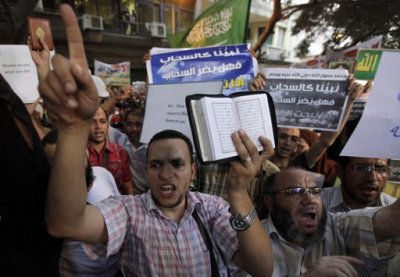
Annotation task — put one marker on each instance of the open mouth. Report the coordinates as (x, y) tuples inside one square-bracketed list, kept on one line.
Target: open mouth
[(308, 218), (167, 189)]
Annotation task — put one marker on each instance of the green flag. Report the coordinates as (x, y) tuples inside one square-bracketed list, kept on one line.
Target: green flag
[(223, 23), (367, 63)]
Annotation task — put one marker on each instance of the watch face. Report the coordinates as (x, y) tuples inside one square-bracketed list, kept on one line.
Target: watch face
[(239, 223)]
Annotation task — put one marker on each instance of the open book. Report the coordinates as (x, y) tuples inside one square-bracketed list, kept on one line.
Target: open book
[(213, 119)]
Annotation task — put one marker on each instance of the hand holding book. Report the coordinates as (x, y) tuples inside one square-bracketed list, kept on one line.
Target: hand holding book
[(213, 119)]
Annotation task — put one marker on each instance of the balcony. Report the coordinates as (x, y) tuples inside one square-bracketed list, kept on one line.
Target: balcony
[(112, 43)]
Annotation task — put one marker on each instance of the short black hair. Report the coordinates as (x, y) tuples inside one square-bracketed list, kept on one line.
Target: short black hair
[(89, 176), (269, 184), (171, 134), (136, 112), (50, 138)]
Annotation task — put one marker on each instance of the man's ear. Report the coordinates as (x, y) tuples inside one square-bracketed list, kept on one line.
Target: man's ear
[(194, 169)]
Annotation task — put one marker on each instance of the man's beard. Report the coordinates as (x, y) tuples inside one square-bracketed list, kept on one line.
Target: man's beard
[(287, 228)]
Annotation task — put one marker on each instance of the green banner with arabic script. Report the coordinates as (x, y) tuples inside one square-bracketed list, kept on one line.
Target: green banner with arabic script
[(223, 23), (367, 64)]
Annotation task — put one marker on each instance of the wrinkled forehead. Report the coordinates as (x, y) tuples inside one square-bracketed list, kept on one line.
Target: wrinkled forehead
[(290, 178)]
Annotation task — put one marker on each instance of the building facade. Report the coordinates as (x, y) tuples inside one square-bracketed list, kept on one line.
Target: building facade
[(110, 33)]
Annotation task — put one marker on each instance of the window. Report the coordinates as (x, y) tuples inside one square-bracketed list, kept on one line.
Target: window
[(280, 41), (270, 37)]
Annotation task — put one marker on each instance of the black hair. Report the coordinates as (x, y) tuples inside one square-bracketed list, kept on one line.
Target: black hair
[(50, 138), (269, 184), (171, 134), (89, 176), (136, 112)]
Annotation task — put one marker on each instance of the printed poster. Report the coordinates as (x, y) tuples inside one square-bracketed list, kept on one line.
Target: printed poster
[(232, 64), (308, 98)]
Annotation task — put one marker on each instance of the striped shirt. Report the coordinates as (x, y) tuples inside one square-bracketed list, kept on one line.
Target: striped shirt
[(153, 245), (349, 233), (333, 201)]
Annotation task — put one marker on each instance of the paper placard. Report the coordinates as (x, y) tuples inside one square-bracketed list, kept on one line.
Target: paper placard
[(377, 135), (17, 67), (166, 108)]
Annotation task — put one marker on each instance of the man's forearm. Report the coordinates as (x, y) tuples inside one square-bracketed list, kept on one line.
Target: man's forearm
[(255, 252), (67, 191)]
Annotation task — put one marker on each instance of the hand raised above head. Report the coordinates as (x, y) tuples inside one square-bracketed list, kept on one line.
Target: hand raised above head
[(258, 82), (41, 58), (243, 171), (68, 90), (354, 88)]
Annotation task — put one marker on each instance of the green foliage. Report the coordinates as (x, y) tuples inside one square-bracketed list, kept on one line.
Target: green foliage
[(354, 20)]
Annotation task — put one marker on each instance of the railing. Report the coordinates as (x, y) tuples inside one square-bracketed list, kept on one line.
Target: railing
[(110, 25)]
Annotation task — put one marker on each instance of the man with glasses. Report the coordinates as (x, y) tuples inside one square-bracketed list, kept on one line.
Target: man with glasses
[(309, 241), (363, 180)]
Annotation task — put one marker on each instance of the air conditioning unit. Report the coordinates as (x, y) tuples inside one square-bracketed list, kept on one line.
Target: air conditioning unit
[(157, 29), (92, 22)]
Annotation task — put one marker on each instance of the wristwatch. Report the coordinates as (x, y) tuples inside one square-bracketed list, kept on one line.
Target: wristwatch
[(240, 222)]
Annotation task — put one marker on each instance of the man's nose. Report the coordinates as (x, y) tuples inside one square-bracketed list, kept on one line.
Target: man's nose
[(166, 172), (309, 197), (372, 174)]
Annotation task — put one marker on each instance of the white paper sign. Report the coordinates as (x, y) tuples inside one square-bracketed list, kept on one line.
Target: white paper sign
[(378, 133), (17, 67), (166, 107)]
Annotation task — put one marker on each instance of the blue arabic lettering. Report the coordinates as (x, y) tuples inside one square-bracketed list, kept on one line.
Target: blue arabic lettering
[(396, 131)]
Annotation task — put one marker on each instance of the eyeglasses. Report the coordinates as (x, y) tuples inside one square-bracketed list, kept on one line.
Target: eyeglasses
[(366, 168), (299, 192)]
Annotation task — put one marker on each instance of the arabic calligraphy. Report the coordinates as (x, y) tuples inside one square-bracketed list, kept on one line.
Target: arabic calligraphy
[(222, 68), (212, 25), (185, 57), (203, 55), (368, 63), (396, 131), (321, 115), (234, 83), (219, 69), (319, 87), (315, 103)]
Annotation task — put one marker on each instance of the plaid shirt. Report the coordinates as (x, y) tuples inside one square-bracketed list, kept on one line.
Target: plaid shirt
[(211, 179), (349, 233), (118, 163), (153, 245), (333, 201)]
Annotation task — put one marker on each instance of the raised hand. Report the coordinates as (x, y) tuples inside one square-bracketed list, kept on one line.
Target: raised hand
[(243, 171), (68, 90), (41, 58), (354, 89), (258, 82)]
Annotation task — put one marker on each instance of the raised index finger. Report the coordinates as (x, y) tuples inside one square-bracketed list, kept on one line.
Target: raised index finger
[(74, 37)]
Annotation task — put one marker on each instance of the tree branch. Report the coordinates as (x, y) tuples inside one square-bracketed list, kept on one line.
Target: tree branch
[(276, 16)]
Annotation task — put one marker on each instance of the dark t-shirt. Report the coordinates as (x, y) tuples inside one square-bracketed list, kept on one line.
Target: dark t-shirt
[(26, 249)]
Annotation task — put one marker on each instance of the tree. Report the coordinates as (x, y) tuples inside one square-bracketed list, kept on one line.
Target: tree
[(352, 21)]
